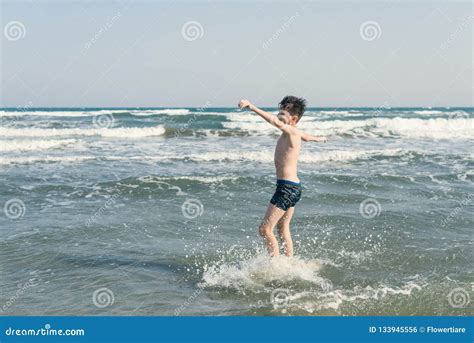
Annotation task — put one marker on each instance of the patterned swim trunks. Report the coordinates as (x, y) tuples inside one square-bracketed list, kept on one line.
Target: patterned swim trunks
[(287, 194)]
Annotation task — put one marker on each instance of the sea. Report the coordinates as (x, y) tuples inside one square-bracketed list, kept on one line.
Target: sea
[(155, 211)]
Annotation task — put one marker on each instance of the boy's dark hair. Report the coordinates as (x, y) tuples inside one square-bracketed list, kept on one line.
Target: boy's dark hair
[(296, 106)]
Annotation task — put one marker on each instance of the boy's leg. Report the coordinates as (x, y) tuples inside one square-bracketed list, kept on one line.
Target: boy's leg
[(284, 231), (272, 216)]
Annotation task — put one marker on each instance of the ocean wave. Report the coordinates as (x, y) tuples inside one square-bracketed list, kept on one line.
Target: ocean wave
[(91, 113), (170, 112), (267, 156), (104, 132), (428, 112), (244, 117), (83, 113), (437, 112), (385, 127), (198, 178), (420, 128), (341, 112), (45, 159), (217, 113), (224, 156), (34, 145)]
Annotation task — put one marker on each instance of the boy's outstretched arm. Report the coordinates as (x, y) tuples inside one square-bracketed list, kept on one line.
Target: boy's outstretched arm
[(310, 138), (244, 103)]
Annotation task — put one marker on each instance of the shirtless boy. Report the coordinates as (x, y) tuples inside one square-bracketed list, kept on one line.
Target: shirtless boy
[(288, 186)]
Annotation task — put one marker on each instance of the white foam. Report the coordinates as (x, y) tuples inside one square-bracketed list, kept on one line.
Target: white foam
[(47, 159), (244, 117), (267, 156), (451, 114), (336, 112), (257, 127), (90, 113), (304, 288), (428, 112), (33, 145), (202, 179), (333, 299), (228, 156), (82, 113), (257, 272), (431, 128), (413, 127), (105, 132), (170, 112), (356, 256), (220, 113)]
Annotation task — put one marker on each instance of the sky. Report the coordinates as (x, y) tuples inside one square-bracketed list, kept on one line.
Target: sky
[(211, 54)]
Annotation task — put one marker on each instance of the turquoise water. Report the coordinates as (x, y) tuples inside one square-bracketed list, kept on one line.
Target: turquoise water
[(146, 211)]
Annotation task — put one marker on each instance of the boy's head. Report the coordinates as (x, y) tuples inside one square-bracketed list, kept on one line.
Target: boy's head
[(291, 109)]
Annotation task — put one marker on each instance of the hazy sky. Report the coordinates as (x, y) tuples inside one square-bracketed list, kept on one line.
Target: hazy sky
[(189, 53)]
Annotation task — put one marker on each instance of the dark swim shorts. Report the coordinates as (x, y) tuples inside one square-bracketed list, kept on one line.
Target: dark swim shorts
[(287, 194)]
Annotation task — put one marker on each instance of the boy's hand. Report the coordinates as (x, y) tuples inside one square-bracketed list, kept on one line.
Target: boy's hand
[(245, 103), (322, 139)]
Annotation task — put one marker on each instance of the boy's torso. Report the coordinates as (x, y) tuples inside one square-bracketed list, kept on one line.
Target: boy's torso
[(286, 156)]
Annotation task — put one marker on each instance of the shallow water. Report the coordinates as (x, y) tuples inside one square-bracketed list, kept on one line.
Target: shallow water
[(154, 212)]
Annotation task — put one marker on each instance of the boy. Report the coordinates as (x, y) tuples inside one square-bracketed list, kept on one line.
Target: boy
[(288, 187)]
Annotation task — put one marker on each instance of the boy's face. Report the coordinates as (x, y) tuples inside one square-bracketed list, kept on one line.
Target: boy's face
[(286, 117)]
